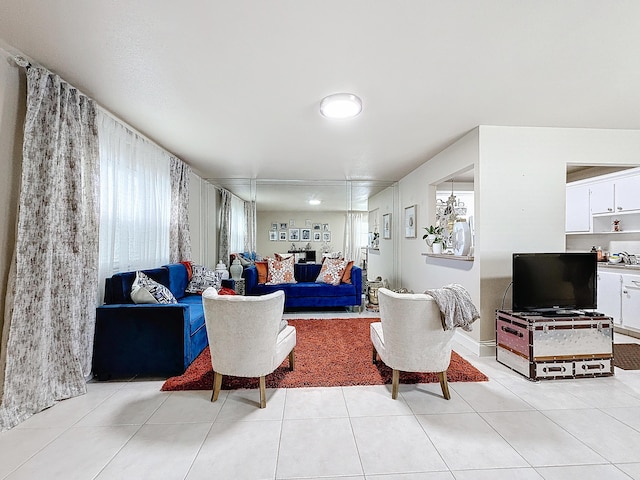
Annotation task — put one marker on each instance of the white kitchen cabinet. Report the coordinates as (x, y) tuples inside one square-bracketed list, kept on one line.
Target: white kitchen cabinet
[(610, 295), (578, 216), (627, 193), (602, 197), (631, 301)]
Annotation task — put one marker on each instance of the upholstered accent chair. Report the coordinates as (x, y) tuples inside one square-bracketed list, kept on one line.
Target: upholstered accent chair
[(247, 337), (410, 337)]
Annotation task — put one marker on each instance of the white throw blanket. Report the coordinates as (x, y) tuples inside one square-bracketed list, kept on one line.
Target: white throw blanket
[(456, 306)]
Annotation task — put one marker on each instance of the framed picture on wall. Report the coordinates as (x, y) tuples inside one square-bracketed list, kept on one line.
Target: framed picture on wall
[(326, 236), (283, 236), (294, 234), (317, 236), (273, 235), (410, 222), (274, 226), (305, 234), (386, 225), (325, 227), (317, 226), (283, 226)]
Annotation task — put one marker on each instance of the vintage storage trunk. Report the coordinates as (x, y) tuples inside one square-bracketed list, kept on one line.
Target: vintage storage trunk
[(555, 347)]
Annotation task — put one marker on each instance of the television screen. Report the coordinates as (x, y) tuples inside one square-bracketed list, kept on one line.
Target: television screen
[(548, 282)]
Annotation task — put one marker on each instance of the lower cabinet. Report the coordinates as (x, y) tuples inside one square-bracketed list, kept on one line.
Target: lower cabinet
[(619, 298), (631, 301), (610, 295)]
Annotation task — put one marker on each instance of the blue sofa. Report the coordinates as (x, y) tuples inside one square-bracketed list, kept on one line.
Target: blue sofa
[(308, 293), (148, 339)]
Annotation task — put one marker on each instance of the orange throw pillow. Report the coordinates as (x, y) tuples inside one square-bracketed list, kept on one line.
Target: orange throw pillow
[(346, 276), (263, 270)]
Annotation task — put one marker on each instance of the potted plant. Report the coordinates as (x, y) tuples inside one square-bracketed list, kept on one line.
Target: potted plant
[(434, 238)]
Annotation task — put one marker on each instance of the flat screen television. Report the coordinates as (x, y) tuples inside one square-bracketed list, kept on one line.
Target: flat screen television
[(554, 283)]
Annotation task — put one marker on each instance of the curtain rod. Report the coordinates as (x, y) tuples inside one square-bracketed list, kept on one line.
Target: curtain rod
[(24, 62)]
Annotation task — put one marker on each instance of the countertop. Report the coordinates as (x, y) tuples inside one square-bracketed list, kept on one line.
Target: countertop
[(619, 266)]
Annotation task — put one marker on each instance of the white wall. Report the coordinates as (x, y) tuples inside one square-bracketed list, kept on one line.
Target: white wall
[(12, 112), (419, 272), (267, 248), (519, 186), (384, 262)]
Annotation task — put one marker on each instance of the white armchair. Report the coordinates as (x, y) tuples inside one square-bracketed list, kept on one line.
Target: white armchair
[(410, 337), (245, 336)]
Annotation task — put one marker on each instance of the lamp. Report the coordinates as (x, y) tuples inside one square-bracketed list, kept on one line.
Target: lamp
[(341, 105)]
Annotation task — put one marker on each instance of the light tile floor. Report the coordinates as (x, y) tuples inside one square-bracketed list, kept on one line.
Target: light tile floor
[(507, 428)]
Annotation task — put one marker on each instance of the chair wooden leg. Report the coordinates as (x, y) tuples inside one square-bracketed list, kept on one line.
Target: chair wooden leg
[(395, 380), (444, 385), (217, 385), (263, 392), (292, 359), (375, 354)]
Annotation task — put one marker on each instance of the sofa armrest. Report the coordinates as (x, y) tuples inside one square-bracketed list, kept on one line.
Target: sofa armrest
[(250, 275), (356, 279), (141, 340)]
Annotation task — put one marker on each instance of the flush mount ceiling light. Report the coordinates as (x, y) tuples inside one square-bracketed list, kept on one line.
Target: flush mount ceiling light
[(341, 105), (315, 202)]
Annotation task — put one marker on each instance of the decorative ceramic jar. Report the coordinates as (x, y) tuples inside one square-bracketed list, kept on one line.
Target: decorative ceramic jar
[(221, 270), (236, 269), (437, 248)]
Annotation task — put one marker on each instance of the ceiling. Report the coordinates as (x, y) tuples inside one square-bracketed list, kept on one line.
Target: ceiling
[(233, 88)]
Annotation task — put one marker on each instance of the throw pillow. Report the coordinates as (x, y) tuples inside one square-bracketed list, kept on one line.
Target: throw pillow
[(263, 271), (280, 271), (346, 276), (202, 278), (146, 290), (332, 271)]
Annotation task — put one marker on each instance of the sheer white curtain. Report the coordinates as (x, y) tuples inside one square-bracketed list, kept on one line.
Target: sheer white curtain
[(135, 200), (250, 240), (356, 227), (238, 230)]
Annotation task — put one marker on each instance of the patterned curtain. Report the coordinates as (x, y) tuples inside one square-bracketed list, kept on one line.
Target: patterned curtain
[(225, 226), (52, 292), (179, 237)]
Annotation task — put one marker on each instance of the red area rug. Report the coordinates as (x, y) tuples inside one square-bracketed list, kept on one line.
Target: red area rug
[(329, 353)]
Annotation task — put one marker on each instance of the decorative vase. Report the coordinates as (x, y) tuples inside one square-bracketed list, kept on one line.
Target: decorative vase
[(221, 270), (236, 269), (437, 248)]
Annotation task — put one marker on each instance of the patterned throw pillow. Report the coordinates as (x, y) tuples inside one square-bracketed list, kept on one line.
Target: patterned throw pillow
[(146, 290), (332, 271), (280, 271), (202, 278)]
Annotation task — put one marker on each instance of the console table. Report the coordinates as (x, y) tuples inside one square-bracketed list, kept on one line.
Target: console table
[(540, 347)]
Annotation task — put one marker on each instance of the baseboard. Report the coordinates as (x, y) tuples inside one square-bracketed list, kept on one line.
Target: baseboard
[(484, 348)]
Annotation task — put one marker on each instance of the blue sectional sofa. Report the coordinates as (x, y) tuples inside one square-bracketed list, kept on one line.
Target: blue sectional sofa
[(308, 293), (148, 339)]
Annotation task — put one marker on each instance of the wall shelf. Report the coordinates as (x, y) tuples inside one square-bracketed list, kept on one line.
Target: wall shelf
[(448, 256)]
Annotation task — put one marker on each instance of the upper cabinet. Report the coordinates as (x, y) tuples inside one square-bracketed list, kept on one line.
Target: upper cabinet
[(602, 197), (627, 193), (594, 204), (578, 217)]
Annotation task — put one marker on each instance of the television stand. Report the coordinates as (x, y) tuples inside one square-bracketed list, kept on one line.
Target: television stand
[(561, 313), (541, 347)]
